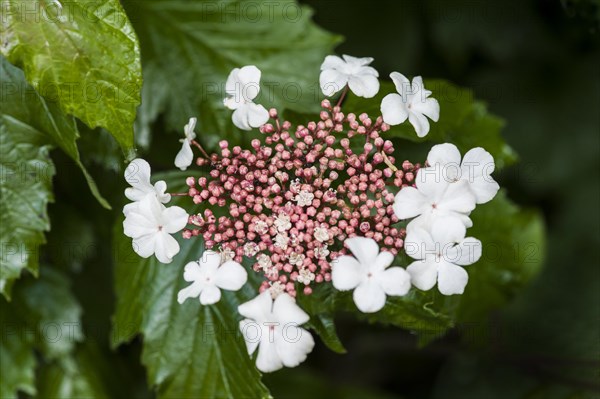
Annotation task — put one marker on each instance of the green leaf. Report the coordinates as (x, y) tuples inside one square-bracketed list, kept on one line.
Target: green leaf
[(513, 252), (463, 121), (43, 316), (320, 306), (189, 48), (189, 350), (84, 55), (25, 190), (72, 377), (21, 102)]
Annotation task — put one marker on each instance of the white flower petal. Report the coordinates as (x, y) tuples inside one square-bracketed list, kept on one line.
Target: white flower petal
[(166, 247), (408, 203), (257, 115), (364, 85), (332, 81), (188, 129), (258, 308), (369, 297), (418, 242), (191, 271), (419, 122), (382, 261), (356, 61), (268, 359), (484, 189), (174, 219), (346, 273), (444, 154), (137, 174), (294, 345), (395, 281), (423, 273), (364, 249), (210, 294), (185, 156), (286, 310), (231, 276), (160, 187), (191, 291), (144, 245), (468, 251), (332, 62), (448, 230), (457, 198), (431, 182), (452, 279), (401, 82), (428, 107), (249, 78), (393, 109), (252, 332), (137, 224), (477, 167)]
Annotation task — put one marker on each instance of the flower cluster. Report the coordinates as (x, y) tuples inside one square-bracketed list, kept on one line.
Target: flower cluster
[(322, 203)]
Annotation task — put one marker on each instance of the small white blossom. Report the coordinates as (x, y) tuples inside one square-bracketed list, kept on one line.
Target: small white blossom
[(434, 197), (242, 86), (297, 259), (264, 261), (321, 234), (282, 222), (305, 276), (250, 249), (440, 254), (476, 168), (295, 185), (304, 198), (137, 175), (185, 156), (369, 275), (150, 225), (208, 276), (227, 254), (276, 288), (321, 252), (282, 240), (412, 102), (261, 227), (273, 326), (336, 73)]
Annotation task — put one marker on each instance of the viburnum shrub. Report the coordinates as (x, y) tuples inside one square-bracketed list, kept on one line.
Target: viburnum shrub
[(327, 202)]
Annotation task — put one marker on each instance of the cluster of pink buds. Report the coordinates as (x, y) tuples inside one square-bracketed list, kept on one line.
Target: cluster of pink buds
[(291, 201)]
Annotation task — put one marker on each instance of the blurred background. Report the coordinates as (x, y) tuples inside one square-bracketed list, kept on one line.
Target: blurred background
[(536, 64)]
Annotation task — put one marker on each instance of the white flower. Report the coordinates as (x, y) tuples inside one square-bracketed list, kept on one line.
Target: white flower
[(440, 254), (282, 222), (321, 234), (276, 288), (282, 240), (250, 249), (321, 252), (242, 87), (150, 225), (264, 261), (434, 197), (227, 254), (207, 275), (305, 276), (304, 198), (297, 259), (368, 275), (336, 73), (185, 156), (412, 102), (272, 326), (137, 174), (476, 168), (261, 227)]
